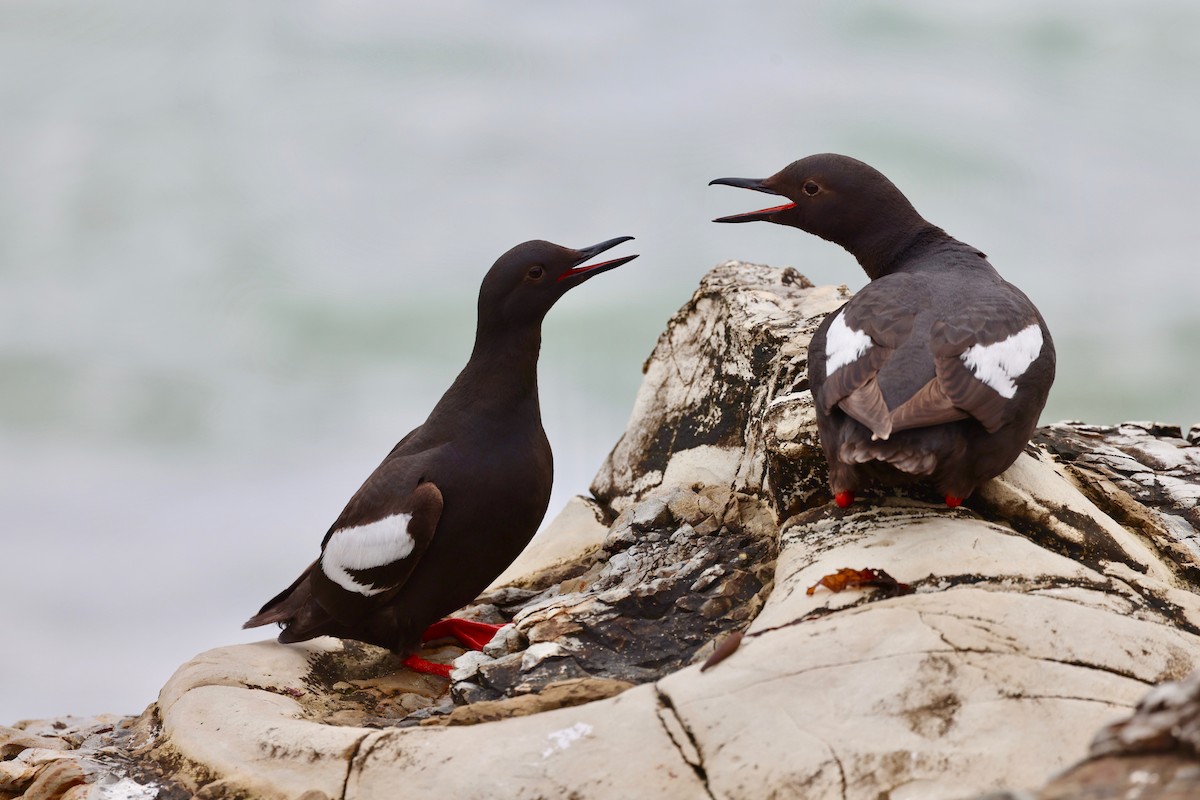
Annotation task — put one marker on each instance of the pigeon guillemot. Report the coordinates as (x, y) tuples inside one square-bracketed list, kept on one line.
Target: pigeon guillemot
[(938, 369), (459, 497)]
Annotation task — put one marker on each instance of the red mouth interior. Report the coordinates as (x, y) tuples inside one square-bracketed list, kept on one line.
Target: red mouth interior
[(585, 268), (770, 210)]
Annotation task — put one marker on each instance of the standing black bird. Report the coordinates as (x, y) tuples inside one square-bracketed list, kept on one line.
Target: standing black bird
[(458, 498), (938, 369)]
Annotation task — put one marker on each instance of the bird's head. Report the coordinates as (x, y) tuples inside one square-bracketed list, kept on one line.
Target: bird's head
[(528, 280), (836, 197)]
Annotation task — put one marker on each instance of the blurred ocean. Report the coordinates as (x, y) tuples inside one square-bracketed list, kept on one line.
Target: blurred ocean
[(240, 245)]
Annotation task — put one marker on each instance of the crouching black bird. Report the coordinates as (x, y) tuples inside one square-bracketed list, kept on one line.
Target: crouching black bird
[(938, 369), (458, 498)]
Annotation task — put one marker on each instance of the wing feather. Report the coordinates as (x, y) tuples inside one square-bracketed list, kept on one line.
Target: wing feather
[(929, 406), (866, 405), (364, 561), (982, 351)]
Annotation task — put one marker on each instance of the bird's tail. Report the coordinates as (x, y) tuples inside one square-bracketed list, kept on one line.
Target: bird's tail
[(295, 608), (899, 454)]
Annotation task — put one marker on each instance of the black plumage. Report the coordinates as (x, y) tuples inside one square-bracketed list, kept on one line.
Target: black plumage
[(938, 369), (455, 502)]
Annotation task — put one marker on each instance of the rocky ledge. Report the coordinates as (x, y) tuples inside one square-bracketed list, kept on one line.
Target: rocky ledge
[(677, 633)]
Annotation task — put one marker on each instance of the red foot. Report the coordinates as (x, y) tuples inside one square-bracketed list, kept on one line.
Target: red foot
[(952, 501), (474, 635), (843, 499), (417, 664), (471, 634)]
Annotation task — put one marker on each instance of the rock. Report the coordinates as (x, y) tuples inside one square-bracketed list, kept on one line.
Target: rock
[(989, 673), (1167, 719), (57, 778), (507, 640), (14, 741), (1145, 474), (1154, 754), (1040, 612), (74, 758), (611, 748), (561, 694), (732, 358), (1145, 777)]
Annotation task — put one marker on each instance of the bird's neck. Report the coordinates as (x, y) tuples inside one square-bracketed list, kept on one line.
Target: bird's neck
[(501, 375), (887, 251)]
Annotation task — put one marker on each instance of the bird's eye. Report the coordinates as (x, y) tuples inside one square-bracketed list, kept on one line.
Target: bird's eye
[(811, 188), (535, 273)]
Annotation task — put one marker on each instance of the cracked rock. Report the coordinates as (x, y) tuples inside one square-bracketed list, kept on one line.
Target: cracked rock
[(1154, 754)]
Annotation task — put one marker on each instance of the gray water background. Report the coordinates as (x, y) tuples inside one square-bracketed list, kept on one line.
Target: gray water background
[(240, 245)]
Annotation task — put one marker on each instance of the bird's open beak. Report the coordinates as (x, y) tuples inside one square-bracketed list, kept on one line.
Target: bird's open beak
[(757, 185), (580, 269)]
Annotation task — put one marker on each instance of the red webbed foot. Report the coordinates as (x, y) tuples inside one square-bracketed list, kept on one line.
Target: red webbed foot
[(418, 664), (953, 502), (844, 499), (473, 635)]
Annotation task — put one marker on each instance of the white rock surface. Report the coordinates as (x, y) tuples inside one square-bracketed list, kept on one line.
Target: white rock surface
[(612, 748), (707, 389), (1040, 614), (995, 681)]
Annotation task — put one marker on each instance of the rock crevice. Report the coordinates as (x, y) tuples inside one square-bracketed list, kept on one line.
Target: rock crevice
[(682, 738)]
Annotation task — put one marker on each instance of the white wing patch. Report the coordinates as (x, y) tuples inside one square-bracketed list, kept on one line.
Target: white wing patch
[(364, 547), (843, 345), (1000, 363)]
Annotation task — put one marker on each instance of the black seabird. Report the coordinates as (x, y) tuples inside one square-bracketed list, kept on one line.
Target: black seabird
[(938, 369), (459, 497)]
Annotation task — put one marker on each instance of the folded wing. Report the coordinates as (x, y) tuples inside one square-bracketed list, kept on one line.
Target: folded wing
[(367, 556), (895, 359)]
